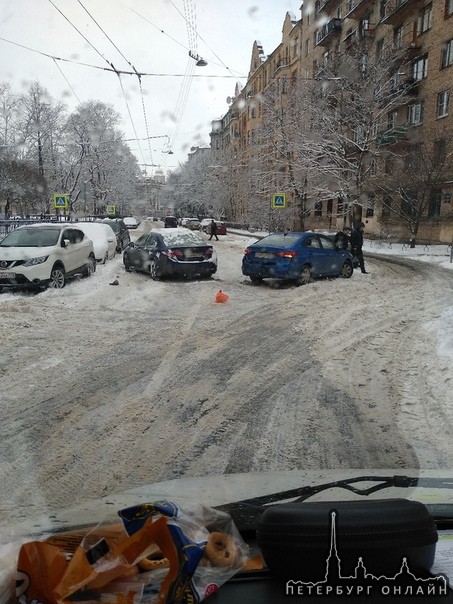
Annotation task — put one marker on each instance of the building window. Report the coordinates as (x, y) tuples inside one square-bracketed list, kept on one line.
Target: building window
[(307, 46), (443, 100), (425, 20), (447, 197), (415, 113), (447, 54), (398, 37), (449, 7), (379, 48), (386, 206), (420, 68), (440, 150), (318, 208), (434, 203), (392, 120), (388, 166), (329, 207), (373, 168)]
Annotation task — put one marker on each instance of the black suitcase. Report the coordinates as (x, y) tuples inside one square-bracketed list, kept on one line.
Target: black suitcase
[(305, 541)]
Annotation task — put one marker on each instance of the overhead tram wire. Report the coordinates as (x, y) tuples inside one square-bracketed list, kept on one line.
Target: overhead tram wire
[(114, 70), (185, 88), (113, 67), (221, 64), (67, 81), (204, 42), (145, 117)]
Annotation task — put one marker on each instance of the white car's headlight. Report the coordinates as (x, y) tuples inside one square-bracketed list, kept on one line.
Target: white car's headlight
[(34, 261)]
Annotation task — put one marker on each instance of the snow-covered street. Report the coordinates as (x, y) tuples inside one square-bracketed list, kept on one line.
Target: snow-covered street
[(105, 388)]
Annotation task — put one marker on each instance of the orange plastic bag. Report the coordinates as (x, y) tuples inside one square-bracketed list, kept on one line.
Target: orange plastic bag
[(221, 297)]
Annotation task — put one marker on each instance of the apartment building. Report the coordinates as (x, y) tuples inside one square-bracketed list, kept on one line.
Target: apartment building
[(415, 39)]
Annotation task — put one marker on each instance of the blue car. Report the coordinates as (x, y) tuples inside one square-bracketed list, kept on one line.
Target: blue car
[(296, 256)]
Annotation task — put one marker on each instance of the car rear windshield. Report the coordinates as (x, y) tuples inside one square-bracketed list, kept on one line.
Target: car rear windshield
[(280, 240), (182, 239), (31, 237), (115, 225)]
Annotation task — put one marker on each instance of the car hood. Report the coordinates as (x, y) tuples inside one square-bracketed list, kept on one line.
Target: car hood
[(24, 253), (432, 487)]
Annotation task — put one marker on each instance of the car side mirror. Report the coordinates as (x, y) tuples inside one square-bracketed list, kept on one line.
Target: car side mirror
[(131, 244), (65, 243)]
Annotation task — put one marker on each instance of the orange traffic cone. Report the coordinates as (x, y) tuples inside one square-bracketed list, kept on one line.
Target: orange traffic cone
[(220, 297)]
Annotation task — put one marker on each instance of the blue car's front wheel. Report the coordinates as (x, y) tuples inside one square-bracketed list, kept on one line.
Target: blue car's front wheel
[(346, 270)]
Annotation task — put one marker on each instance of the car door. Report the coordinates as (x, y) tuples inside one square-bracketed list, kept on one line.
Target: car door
[(78, 249), (313, 252), (151, 248), (69, 252), (136, 253), (333, 256)]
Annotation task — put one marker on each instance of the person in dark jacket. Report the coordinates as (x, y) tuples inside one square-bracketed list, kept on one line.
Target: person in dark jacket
[(341, 239), (356, 240), (214, 229)]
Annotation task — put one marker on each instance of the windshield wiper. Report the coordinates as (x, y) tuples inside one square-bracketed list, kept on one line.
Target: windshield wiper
[(247, 512)]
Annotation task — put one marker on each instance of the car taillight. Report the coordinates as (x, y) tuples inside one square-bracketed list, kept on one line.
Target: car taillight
[(247, 251), (173, 253), (208, 252), (290, 254)]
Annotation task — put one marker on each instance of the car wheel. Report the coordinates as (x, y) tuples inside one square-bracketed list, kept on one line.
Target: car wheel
[(346, 270), (57, 277), (305, 275), (127, 266), (255, 279), (154, 270), (90, 267)]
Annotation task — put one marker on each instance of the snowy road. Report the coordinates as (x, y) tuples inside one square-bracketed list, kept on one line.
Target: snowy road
[(105, 388)]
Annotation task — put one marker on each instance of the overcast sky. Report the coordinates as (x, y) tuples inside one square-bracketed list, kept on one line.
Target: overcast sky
[(153, 36)]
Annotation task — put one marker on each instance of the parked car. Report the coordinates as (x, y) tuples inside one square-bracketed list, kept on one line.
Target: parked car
[(170, 222), (165, 252), (205, 226), (121, 231), (192, 224), (44, 255), (296, 256), (103, 238), (131, 222), (221, 228)]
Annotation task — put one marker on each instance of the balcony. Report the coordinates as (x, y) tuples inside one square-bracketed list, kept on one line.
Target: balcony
[(392, 136), (403, 53), (328, 32), (328, 6), (357, 9), (396, 11)]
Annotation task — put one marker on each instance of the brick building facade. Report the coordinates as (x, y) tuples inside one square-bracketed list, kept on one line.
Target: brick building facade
[(413, 40)]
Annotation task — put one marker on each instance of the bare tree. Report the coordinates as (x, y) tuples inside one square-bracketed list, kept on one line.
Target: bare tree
[(319, 134), (410, 190)]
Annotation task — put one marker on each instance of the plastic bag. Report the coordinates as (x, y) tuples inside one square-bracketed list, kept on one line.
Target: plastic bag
[(158, 554)]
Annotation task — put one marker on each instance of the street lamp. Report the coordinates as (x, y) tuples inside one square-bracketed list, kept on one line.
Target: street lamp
[(200, 61)]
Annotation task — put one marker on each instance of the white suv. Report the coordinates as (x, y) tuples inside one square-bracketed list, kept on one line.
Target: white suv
[(44, 255)]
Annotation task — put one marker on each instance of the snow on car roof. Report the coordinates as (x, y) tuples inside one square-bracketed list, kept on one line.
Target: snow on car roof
[(179, 236)]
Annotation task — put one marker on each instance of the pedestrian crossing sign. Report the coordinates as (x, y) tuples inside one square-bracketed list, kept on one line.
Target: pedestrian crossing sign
[(60, 200), (279, 200)]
